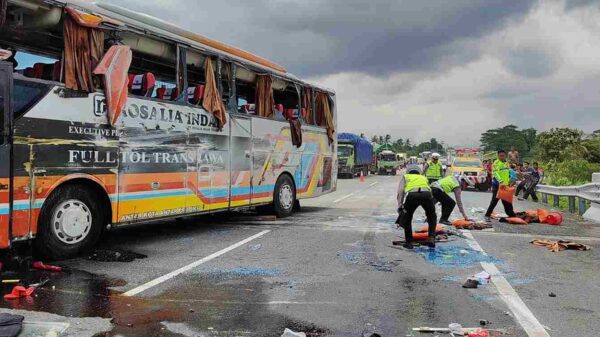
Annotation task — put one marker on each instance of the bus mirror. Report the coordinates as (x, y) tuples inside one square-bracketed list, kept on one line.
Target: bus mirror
[(114, 69)]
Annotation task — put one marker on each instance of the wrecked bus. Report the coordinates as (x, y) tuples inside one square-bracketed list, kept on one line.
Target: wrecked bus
[(110, 117)]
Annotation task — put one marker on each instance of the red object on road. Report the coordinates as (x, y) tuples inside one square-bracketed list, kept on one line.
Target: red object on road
[(554, 218), (362, 177), (481, 333), (18, 292), (48, 267)]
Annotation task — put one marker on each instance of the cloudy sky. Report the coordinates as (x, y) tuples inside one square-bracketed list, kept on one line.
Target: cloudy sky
[(421, 68)]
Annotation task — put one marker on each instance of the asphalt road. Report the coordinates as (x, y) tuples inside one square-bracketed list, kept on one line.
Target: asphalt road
[(330, 270)]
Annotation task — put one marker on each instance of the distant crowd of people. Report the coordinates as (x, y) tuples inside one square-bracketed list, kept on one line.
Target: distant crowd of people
[(524, 175)]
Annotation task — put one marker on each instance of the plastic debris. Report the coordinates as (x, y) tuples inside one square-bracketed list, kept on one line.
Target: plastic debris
[(483, 277), (290, 333), (456, 329), (47, 267)]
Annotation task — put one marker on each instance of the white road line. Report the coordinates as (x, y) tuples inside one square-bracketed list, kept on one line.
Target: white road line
[(520, 311), (343, 198), (351, 194), (190, 266)]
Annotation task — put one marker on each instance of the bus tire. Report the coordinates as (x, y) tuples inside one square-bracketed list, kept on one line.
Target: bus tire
[(463, 185), (70, 223), (284, 197)]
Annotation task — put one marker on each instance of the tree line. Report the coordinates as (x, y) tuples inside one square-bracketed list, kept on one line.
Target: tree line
[(405, 145)]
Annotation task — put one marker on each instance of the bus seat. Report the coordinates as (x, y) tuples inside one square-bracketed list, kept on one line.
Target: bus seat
[(169, 94), (291, 114), (56, 71), (142, 84), (28, 72), (130, 81), (195, 94), (173, 93), (250, 108), (38, 70)]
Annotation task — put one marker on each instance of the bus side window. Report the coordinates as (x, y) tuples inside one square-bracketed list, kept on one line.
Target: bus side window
[(38, 66), (161, 64), (286, 100), (245, 89), (196, 77)]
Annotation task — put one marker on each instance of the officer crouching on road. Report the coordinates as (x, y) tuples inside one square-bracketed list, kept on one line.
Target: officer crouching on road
[(433, 168), (414, 191), (441, 190)]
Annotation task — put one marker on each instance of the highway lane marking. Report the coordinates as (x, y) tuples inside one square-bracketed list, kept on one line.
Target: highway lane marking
[(343, 198), (353, 193), (532, 236), (520, 311), (192, 265)]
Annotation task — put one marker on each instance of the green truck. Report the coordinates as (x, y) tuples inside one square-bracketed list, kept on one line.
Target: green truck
[(386, 160), (355, 155)]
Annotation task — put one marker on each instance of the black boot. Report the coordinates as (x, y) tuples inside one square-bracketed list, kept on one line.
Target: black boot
[(430, 242)]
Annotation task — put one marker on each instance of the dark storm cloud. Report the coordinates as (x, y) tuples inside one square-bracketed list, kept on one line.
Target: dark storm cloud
[(329, 36)]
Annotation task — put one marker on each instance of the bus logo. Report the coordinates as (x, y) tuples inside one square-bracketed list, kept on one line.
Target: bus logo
[(99, 106)]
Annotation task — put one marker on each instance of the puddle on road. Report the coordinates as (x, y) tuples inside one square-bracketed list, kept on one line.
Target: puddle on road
[(453, 256), (234, 304)]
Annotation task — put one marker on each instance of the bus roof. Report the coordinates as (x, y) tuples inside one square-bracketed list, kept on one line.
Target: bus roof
[(164, 29)]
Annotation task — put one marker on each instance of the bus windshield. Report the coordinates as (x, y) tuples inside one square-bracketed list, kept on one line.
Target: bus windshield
[(388, 157), (468, 163)]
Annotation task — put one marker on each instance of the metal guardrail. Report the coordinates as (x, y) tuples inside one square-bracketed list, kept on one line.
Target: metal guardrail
[(577, 195)]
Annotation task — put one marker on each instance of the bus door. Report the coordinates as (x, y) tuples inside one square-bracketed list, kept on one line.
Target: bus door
[(241, 160), (6, 197)]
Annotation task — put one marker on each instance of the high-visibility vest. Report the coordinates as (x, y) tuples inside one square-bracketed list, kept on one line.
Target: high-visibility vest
[(447, 184), (415, 181), (434, 170), (501, 171)]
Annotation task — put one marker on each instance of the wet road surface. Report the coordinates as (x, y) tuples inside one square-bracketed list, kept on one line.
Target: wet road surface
[(329, 270)]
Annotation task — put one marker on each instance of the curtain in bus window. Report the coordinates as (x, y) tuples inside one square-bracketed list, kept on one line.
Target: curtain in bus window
[(307, 112), (296, 131), (3, 7), (212, 101), (83, 51), (265, 103), (324, 114)]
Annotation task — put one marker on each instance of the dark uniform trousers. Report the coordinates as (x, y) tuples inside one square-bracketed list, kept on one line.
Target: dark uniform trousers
[(444, 199), (412, 202)]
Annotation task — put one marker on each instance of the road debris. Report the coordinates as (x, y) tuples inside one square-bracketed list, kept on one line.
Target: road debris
[(552, 294), (10, 325), (455, 329), (470, 284), (289, 333), (560, 245), (39, 265), (116, 255)]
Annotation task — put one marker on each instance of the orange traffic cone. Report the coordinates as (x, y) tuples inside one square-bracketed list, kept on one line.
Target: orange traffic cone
[(362, 177)]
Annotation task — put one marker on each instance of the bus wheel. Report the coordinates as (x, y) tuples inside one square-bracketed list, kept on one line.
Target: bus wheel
[(463, 185), (284, 197), (70, 223)]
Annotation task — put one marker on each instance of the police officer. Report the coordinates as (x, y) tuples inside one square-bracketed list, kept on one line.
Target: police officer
[(501, 176), (414, 191), (433, 168), (441, 190)]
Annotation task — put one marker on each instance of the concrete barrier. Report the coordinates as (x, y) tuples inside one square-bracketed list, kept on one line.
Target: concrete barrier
[(593, 213)]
